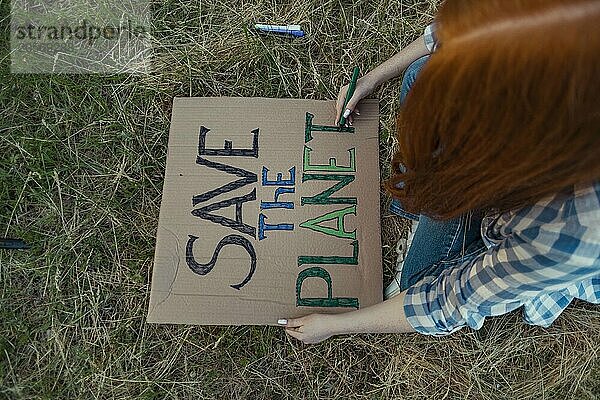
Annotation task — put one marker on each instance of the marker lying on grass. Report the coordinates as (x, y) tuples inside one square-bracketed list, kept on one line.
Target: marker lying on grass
[(293, 30), (7, 243)]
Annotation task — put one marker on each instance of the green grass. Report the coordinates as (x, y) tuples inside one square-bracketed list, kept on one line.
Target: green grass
[(81, 167)]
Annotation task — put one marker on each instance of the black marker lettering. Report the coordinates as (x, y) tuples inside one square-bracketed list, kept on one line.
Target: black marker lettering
[(247, 178), (227, 149), (203, 269), (238, 224)]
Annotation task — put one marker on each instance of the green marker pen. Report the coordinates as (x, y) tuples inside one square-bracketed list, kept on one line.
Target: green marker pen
[(349, 94)]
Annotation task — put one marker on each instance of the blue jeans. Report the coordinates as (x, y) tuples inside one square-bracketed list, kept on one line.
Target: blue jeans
[(436, 245)]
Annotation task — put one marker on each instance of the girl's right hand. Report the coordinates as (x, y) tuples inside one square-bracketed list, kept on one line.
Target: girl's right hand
[(363, 88)]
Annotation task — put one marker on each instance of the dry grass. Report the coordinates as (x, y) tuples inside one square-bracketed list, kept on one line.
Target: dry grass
[(81, 168)]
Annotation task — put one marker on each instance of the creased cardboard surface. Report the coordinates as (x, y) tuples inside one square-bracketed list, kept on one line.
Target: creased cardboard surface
[(215, 162)]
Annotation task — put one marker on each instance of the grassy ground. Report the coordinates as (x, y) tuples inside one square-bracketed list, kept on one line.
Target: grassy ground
[(81, 169)]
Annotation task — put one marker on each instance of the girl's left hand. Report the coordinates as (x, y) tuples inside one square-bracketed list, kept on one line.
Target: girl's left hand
[(311, 329)]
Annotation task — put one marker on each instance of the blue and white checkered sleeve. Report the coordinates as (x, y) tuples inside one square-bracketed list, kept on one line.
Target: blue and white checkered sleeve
[(540, 259), (430, 37)]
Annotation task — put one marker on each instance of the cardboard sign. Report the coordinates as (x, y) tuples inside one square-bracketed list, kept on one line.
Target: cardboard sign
[(268, 212)]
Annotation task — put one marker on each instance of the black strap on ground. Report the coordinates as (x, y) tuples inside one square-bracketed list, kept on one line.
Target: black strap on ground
[(7, 243)]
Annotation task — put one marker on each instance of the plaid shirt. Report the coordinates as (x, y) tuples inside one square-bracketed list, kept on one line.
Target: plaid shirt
[(430, 38), (540, 258)]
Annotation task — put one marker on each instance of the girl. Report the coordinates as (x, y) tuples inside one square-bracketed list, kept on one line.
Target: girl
[(498, 163)]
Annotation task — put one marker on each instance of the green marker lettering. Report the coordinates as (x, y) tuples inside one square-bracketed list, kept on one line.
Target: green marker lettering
[(329, 301), (340, 232), (332, 166), (324, 196), (309, 128), (332, 259)]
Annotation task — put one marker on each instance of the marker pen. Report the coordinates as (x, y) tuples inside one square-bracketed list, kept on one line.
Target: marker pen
[(293, 30)]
